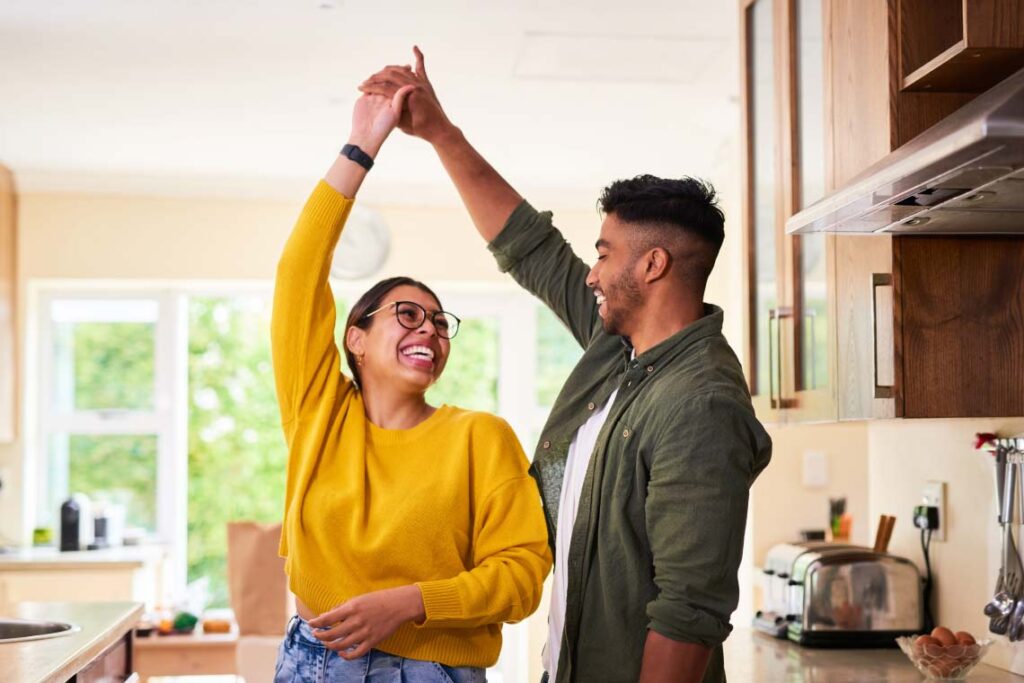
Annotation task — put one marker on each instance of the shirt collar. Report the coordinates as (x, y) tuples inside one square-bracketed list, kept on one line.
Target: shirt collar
[(709, 325)]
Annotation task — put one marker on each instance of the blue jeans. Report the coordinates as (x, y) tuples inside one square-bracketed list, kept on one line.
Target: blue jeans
[(304, 659)]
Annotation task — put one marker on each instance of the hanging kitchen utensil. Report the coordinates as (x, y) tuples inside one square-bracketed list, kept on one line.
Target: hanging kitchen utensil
[(1012, 574)]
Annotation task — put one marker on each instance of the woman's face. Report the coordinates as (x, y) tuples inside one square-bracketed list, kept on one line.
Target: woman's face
[(393, 354)]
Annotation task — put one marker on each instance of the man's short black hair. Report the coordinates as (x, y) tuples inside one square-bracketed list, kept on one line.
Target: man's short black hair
[(669, 205)]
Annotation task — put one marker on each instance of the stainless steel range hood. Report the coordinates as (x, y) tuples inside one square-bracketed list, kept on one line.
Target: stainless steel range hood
[(964, 175)]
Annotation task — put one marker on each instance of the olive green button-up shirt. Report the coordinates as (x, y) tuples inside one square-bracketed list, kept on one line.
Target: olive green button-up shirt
[(659, 531)]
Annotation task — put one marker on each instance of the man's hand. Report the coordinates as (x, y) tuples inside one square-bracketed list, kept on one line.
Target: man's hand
[(356, 626), (423, 116)]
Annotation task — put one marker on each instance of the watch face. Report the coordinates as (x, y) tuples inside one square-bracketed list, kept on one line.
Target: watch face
[(363, 246)]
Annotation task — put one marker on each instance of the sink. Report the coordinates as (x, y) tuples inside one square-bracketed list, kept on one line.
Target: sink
[(18, 630)]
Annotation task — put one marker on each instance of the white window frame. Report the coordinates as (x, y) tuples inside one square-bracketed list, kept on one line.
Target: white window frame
[(167, 421)]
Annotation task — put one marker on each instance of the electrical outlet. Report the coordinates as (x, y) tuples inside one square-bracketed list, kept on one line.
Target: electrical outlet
[(934, 494), (815, 470)]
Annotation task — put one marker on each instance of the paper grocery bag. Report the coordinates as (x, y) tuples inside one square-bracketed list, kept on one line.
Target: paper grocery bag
[(256, 579)]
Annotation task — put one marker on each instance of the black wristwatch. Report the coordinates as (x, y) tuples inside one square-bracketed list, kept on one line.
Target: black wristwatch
[(357, 155)]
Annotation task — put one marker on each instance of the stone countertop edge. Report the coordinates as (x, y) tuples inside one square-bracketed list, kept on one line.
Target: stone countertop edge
[(754, 656), (26, 559), (55, 660)]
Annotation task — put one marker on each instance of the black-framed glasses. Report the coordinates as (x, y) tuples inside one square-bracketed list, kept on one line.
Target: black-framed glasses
[(411, 315)]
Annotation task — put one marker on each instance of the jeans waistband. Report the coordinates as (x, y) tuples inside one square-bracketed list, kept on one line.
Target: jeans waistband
[(293, 626)]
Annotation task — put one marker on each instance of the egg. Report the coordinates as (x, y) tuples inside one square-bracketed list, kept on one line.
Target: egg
[(926, 640), (965, 638), (944, 636), (943, 668)]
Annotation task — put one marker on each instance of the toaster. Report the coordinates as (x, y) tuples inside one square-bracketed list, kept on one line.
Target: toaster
[(834, 595)]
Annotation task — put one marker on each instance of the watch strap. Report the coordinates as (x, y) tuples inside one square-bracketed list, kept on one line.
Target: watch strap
[(357, 155)]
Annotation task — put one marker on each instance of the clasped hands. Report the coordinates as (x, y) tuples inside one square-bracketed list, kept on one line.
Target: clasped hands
[(410, 91)]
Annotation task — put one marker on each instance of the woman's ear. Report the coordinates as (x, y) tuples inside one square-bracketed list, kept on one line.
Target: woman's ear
[(355, 341)]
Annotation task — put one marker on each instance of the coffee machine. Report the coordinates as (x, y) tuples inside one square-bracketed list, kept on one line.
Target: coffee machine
[(77, 527)]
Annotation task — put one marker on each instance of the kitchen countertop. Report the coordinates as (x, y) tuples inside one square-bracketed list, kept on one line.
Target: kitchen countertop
[(57, 659), (51, 558), (754, 656)]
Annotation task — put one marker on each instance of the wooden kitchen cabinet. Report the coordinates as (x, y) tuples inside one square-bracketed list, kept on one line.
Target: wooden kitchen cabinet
[(113, 665), (926, 325), (8, 360), (790, 360), (958, 45), (844, 326)]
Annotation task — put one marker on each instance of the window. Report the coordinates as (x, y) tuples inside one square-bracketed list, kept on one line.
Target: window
[(236, 450), (104, 430), (163, 401)]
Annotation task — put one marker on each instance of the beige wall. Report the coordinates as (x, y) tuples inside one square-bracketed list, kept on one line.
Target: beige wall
[(106, 236), (110, 237), (905, 454), (781, 505), (78, 236)]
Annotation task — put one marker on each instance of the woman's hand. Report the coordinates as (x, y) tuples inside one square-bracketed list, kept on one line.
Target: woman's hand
[(374, 117), (423, 116), (353, 628)]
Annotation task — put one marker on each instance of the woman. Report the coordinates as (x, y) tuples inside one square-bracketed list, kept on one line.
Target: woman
[(411, 532)]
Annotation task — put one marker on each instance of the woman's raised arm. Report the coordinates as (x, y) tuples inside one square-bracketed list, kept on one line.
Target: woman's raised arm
[(307, 364)]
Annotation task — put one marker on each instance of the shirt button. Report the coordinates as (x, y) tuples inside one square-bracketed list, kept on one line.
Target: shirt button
[(591, 406), (546, 444), (650, 368), (625, 433)]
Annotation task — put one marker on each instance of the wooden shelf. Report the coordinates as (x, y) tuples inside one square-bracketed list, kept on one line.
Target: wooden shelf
[(964, 46), (960, 68)]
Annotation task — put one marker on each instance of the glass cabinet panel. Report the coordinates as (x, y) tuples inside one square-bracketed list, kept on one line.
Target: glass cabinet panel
[(812, 281), (763, 179)]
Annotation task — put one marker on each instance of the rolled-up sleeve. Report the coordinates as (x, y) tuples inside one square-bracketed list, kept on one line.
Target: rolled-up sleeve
[(702, 464), (535, 253)]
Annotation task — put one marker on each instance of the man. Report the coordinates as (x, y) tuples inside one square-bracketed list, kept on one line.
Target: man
[(646, 460)]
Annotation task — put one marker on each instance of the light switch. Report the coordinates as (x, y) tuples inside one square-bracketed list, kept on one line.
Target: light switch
[(815, 471)]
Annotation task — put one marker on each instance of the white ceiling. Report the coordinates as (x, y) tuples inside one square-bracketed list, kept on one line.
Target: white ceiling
[(224, 96)]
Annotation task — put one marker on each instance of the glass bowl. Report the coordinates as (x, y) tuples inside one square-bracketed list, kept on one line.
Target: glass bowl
[(950, 663)]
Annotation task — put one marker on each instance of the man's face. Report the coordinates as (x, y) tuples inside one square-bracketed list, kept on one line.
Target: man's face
[(613, 278)]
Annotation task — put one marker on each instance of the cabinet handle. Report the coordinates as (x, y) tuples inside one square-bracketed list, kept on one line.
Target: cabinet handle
[(775, 357), (878, 280), (810, 317)]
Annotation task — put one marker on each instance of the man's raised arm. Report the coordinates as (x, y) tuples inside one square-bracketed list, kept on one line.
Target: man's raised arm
[(489, 199)]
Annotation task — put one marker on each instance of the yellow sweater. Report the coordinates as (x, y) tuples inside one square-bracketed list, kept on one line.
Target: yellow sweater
[(447, 505)]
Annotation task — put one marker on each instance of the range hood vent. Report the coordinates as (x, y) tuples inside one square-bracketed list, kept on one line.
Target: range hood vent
[(964, 175)]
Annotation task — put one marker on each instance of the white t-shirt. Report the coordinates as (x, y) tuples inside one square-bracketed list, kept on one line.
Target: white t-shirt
[(577, 460)]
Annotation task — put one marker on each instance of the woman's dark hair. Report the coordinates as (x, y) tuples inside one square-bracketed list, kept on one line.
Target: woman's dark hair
[(371, 300)]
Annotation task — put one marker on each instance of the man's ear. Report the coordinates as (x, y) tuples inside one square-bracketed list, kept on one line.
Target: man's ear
[(355, 341), (656, 264)]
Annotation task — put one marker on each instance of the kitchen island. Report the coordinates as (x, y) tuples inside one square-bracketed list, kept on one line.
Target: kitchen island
[(104, 640), (753, 656)]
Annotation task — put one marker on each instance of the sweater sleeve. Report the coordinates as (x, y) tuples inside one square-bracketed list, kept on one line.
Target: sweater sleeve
[(510, 556), (306, 360)]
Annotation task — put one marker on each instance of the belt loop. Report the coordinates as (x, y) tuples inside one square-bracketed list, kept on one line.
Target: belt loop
[(293, 626)]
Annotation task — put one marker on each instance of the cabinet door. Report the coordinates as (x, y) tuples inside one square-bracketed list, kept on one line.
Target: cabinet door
[(762, 208), (8, 362), (113, 666), (810, 262)]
